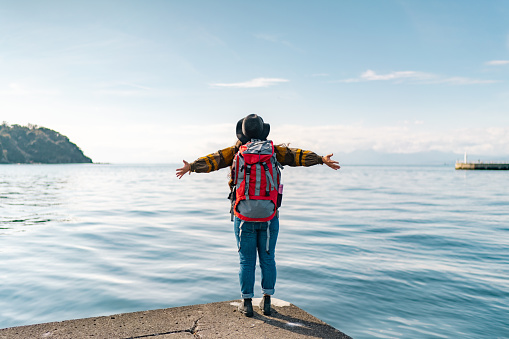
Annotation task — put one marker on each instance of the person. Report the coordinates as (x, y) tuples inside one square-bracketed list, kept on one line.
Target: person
[(255, 237)]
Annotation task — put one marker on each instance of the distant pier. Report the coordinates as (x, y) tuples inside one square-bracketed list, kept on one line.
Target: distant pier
[(465, 165), (481, 166)]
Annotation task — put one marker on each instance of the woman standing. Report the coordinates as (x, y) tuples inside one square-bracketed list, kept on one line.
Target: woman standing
[(255, 237)]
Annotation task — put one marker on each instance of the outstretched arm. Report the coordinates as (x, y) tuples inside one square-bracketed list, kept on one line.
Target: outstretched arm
[(183, 170), (329, 162), (212, 162), (298, 157)]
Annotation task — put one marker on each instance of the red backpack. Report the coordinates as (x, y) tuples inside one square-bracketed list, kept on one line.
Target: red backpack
[(256, 177)]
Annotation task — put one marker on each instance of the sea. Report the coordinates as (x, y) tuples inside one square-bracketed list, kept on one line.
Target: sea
[(375, 251)]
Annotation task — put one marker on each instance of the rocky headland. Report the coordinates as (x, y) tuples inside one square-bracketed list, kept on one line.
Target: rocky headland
[(37, 145)]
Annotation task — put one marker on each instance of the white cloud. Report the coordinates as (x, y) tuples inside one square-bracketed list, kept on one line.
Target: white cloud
[(394, 139), (370, 75), (117, 145), (193, 141), (254, 83), (497, 62), (416, 77)]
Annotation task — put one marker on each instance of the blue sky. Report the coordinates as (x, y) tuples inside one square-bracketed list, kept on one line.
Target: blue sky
[(158, 81)]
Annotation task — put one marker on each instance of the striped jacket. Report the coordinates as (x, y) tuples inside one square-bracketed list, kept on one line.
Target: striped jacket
[(285, 156)]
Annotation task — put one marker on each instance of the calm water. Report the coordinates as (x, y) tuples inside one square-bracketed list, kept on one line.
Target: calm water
[(377, 252)]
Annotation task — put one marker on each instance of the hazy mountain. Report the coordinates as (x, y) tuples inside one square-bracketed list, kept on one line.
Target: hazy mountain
[(370, 157)]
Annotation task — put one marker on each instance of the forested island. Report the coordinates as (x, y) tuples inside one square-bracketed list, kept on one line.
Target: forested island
[(37, 145)]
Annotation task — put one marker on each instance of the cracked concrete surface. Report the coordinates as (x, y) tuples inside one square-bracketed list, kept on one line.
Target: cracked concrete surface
[(187, 333), (214, 320)]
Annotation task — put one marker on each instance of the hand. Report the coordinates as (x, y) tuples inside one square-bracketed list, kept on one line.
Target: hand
[(331, 163), (183, 170)]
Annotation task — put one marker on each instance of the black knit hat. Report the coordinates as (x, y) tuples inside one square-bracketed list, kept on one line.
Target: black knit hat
[(252, 127)]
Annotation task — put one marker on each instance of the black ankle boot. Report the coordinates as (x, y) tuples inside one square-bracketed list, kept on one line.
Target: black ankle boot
[(265, 305), (246, 307)]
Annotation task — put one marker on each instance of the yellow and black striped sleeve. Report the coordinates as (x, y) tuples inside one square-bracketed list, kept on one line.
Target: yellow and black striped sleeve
[(296, 157), (215, 161)]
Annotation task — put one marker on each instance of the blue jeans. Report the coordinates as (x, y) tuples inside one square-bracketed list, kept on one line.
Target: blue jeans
[(252, 239)]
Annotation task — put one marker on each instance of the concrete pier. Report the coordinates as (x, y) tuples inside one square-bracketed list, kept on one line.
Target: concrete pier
[(214, 320)]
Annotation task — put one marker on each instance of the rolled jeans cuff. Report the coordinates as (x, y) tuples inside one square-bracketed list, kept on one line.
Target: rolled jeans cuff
[(269, 291), (247, 296)]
